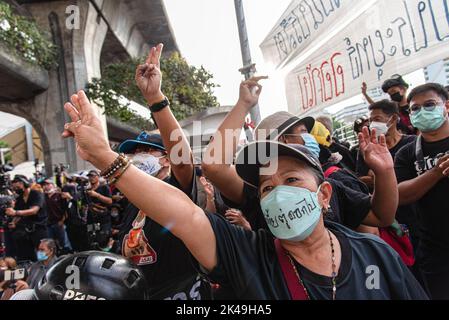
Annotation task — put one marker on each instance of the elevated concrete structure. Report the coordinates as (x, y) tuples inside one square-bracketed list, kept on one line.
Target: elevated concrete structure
[(109, 30)]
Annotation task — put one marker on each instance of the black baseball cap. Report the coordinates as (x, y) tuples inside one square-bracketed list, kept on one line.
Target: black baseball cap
[(143, 139), (258, 154), (394, 81)]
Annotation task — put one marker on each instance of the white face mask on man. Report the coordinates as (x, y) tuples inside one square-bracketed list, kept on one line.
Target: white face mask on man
[(381, 127), (147, 163)]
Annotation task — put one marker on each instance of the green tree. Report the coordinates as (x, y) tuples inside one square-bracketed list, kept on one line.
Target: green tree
[(8, 155), (24, 38), (189, 89)]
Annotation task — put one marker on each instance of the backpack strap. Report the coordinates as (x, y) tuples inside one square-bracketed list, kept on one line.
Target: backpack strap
[(297, 290), (330, 171)]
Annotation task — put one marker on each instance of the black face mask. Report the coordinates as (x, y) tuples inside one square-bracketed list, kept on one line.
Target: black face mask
[(397, 97), (19, 192)]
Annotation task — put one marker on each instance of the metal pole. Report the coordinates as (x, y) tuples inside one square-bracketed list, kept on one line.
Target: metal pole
[(249, 68)]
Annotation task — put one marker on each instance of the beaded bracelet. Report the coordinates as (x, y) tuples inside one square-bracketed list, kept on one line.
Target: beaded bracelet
[(118, 163), (113, 180)]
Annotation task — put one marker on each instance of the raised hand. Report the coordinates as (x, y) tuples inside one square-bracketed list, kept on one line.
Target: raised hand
[(250, 91), (149, 76), (364, 87), (442, 166), (86, 129), (236, 217), (375, 151), (208, 187)]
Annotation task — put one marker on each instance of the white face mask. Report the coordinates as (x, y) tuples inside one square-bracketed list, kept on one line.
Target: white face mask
[(147, 163)]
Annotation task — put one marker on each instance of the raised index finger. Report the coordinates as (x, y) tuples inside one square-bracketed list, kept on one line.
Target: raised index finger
[(158, 54), (256, 79)]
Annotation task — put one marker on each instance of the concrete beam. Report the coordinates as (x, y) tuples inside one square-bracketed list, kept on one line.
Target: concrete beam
[(19, 79)]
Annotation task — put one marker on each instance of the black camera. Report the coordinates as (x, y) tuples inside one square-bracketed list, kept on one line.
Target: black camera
[(5, 179), (6, 202)]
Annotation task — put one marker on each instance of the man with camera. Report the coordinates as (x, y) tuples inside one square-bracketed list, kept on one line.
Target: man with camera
[(57, 214), (31, 228), (99, 199)]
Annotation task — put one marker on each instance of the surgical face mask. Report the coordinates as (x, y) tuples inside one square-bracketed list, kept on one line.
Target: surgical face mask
[(42, 256), (291, 213), (397, 97), (147, 163), (381, 128), (311, 144), (429, 120)]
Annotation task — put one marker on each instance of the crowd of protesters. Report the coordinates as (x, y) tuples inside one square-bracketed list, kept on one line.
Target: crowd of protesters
[(295, 214)]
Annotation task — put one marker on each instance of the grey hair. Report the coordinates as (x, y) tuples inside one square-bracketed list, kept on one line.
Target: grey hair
[(50, 243)]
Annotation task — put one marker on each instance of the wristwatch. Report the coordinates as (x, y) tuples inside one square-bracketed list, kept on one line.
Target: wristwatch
[(159, 105)]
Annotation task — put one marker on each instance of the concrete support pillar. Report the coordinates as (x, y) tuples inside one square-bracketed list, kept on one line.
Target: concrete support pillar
[(79, 62)]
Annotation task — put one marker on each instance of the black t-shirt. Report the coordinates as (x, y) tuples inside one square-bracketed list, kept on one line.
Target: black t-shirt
[(348, 178), (247, 262), (73, 209), (362, 168), (56, 207), (433, 208), (163, 258), (98, 211), (35, 199), (349, 207)]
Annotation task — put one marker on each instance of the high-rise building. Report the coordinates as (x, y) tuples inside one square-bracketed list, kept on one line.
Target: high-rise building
[(438, 72)]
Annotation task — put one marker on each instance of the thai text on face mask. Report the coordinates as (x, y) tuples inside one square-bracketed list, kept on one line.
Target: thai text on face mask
[(291, 213)]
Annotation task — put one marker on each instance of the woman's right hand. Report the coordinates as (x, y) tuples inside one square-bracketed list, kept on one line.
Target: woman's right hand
[(86, 129)]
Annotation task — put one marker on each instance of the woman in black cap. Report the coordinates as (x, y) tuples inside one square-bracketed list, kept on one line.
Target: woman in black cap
[(301, 258)]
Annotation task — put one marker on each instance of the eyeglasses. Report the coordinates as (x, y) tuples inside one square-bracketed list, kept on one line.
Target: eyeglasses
[(428, 106)]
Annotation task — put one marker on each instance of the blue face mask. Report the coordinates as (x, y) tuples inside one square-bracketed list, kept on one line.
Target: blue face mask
[(428, 121), (42, 256), (291, 213), (311, 144)]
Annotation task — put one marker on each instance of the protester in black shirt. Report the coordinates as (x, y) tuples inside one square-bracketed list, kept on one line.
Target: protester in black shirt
[(384, 115), (397, 88), (423, 178), (282, 126), (99, 199), (57, 214), (247, 260), (161, 256), (32, 226)]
